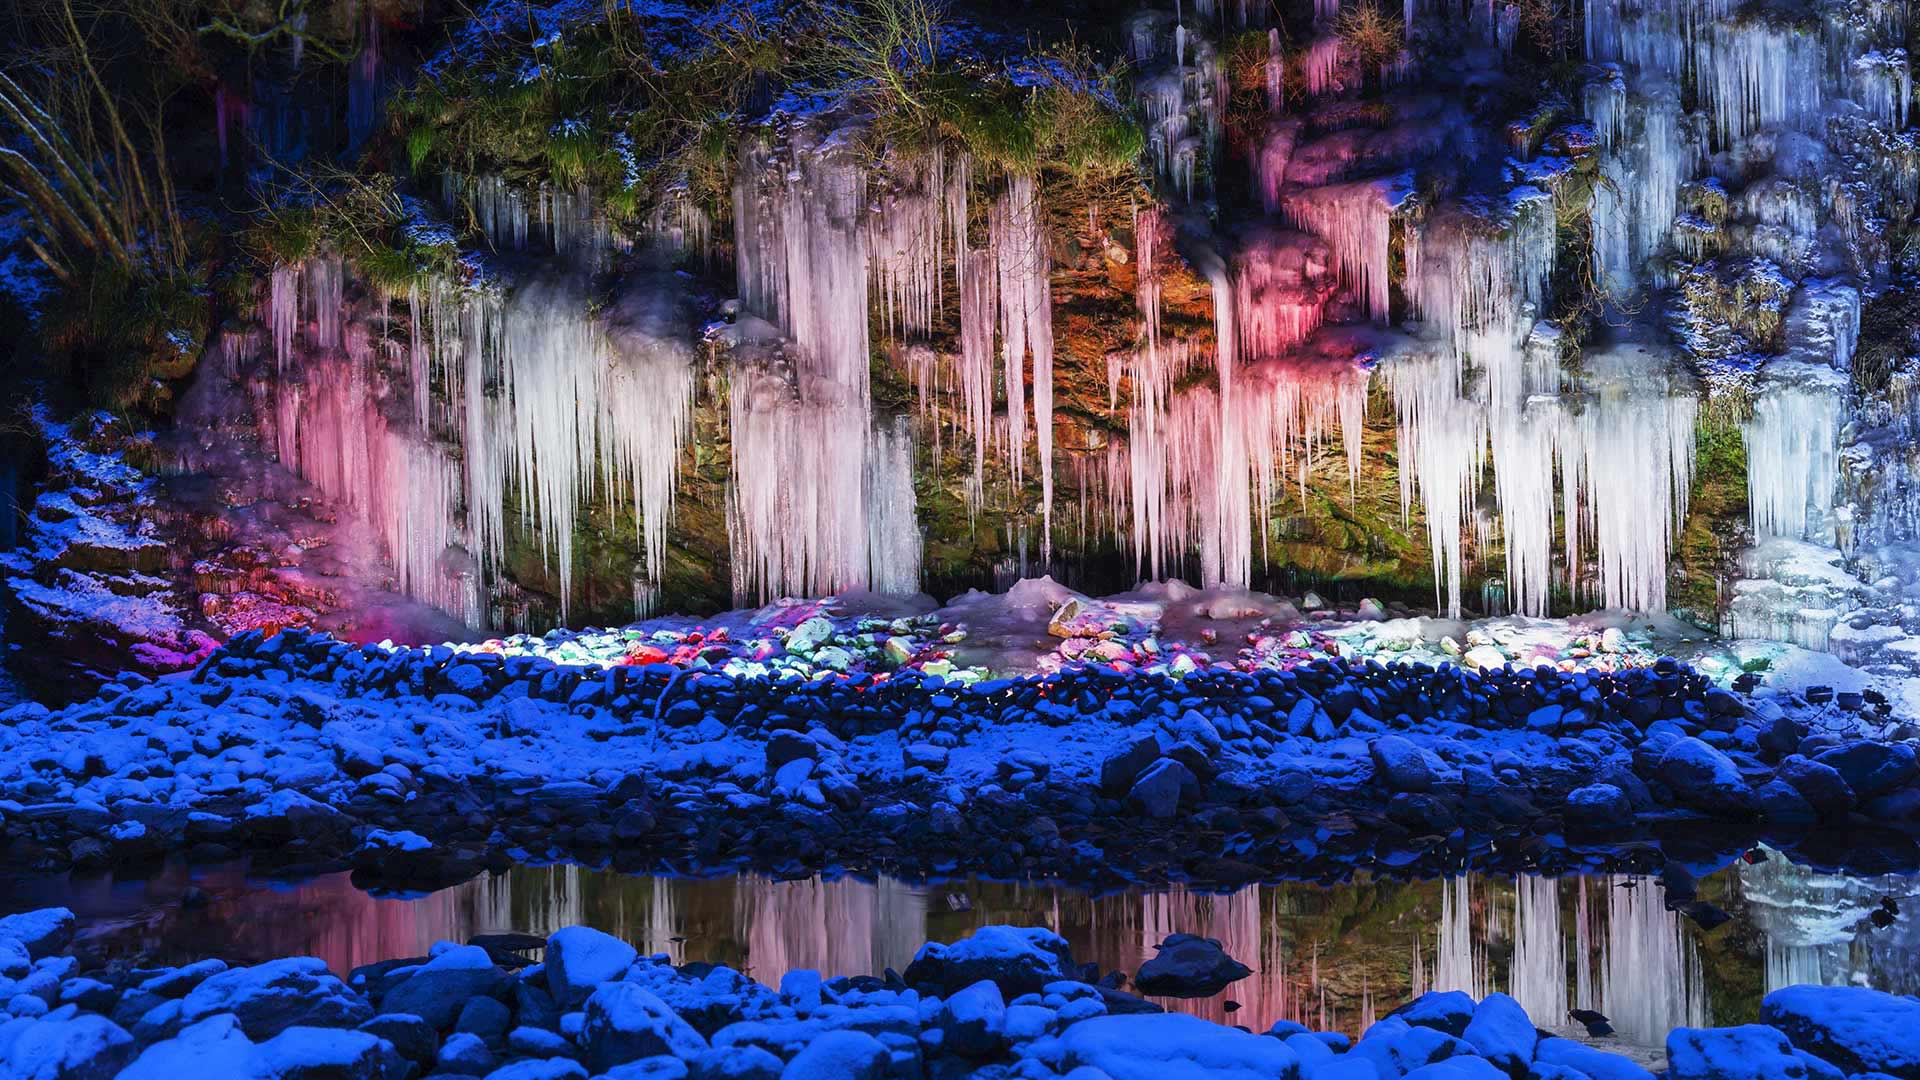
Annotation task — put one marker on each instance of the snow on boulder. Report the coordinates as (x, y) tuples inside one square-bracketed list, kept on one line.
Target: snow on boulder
[(214, 1047), (1018, 959), (1446, 1010), (1704, 779), (15, 961), (580, 958), (310, 1053), (1465, 1067), (272, 997), (566, 1069), (973, 1021), (438, 989), (1747, 1052), (1858, 1029), (1188, 966), (1398, 1049), (1162, 1046), (43, 932), (1502, 1033), (625, 1022), (738, 1063), (840, 1055), (1598, 807), (1584, 1059), (85, 1047)]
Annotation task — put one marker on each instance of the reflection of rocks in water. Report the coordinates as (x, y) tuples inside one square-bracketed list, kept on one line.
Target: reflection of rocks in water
[(1327, 956), (243, 921), (1632, 959), (1817, 927)]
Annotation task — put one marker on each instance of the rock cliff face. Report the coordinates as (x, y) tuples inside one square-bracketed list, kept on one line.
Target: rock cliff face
[(673, 311)]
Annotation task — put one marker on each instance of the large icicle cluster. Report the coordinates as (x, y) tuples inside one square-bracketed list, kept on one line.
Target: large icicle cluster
[(487, 400)]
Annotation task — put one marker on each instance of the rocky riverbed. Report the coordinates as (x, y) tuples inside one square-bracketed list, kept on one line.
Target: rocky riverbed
[(1003, 1002), (422, 765)]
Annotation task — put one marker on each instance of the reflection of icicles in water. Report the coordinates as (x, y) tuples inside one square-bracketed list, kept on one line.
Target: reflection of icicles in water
[(1817, 928), (1650, 977), (1538, 976), (838, 927), (1461, 961)]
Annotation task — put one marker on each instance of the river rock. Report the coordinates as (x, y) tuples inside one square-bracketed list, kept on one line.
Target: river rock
[(624, 1022), (1186, 966), (307, 1053), (1747, 1052), (839, 1055), (973, 1021), (1704, 778), (580, 958), (438, 989), (1018, 959), (1598, 808), (1858, 1029), (1400, 765), (1158, 792), (272, 997), (85, 1047), (1502, 1032), (1871, 768)]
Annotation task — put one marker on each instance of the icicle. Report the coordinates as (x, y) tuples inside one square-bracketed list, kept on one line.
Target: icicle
[(283, 312), (1323, 65), (799, 508), (1355, 220), (1276, 73), (893, 533), (1026, 327), (1793, 458)]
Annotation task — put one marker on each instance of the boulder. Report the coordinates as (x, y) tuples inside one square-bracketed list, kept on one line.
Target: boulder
[(1598, 808), (1871, 768), (1161, 788), (1502, 1032), (1017, 959), (85, 1047), (1449, 1011), (1704, 779), (412, 1037), (1188, 966), (1821, 785), (1118, 772), (441, 987), (1173, 1044), (43, 932), (1399, 764), (1858, 1029), (625, 1022), (272, 997), (580, 958), (1747, 1052), (214, 1047), (973, 1021), (307, 1053), (839, 1055)]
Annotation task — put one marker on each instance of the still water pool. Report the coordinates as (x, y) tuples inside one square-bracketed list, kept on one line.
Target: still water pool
[(1329, 956)]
